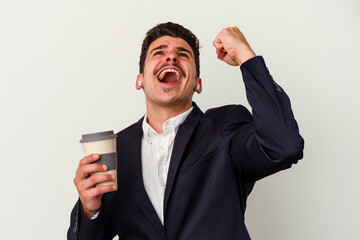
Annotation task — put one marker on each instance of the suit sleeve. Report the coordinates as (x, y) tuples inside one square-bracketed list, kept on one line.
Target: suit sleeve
[(271, 141), (84, 228)]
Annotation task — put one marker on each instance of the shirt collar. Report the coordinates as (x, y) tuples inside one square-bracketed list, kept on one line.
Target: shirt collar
[(170, 124)]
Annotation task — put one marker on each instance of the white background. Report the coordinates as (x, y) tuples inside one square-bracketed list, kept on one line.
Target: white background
[(69, 67)]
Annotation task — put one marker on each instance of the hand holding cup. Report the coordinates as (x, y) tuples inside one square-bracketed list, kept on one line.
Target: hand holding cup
[(96, 173)]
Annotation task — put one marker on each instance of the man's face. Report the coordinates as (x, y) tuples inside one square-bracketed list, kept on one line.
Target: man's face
[(169, 76)]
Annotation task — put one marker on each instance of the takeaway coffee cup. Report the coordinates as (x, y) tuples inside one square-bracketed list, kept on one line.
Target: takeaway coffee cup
[(103, 143)]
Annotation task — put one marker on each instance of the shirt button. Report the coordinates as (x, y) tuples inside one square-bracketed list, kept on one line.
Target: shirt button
[(162, 148), (162, 184)]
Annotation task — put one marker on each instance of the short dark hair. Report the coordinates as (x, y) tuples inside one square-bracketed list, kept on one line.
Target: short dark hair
[(172, 30)]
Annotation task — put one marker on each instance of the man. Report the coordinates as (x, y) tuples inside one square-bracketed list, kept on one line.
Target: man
[(184, 174)]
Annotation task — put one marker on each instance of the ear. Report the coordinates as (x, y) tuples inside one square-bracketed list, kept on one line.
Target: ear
[(198, 86), (139, 81)]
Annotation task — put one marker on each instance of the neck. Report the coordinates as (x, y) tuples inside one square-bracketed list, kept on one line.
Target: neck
[(157, 115)]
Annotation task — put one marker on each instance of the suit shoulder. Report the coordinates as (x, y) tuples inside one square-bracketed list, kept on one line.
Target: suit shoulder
[(229, 111)]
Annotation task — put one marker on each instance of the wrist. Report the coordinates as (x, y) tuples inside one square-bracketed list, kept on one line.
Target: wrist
[(244, 56), (89, 214), (244, 53)]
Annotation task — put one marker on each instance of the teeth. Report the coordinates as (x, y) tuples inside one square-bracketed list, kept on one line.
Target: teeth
[(162, 74)]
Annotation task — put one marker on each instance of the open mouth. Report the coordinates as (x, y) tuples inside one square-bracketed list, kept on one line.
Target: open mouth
[(169, 76)]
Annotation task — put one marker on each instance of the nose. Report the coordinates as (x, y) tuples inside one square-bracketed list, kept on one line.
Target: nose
[(171, 57)]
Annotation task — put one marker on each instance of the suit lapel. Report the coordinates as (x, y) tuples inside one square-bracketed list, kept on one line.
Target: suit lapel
[(181, 140), (139, 190)]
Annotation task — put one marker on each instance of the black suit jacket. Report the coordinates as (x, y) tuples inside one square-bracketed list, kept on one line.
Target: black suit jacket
[(216, 159)]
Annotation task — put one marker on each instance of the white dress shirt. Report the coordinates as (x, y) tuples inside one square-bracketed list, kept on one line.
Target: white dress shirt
[(156, 152)]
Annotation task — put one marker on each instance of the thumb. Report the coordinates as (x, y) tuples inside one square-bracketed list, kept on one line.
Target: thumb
[(220, 54)]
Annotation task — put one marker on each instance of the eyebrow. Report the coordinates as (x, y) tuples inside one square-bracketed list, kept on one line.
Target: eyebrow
[(181, 49)]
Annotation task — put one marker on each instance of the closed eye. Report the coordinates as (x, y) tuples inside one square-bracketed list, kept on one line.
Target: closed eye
[(183, 54), (161, 53)]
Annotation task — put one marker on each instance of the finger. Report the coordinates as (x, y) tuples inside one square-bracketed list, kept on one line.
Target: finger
[(218, 40), (220, 54), (85, 170), (89, 159), (94, 192), (219, 47), (96, 179), (217, 43)]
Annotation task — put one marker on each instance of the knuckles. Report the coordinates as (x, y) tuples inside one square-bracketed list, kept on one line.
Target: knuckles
[(92, 179), (98, 190), (82, 161)]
